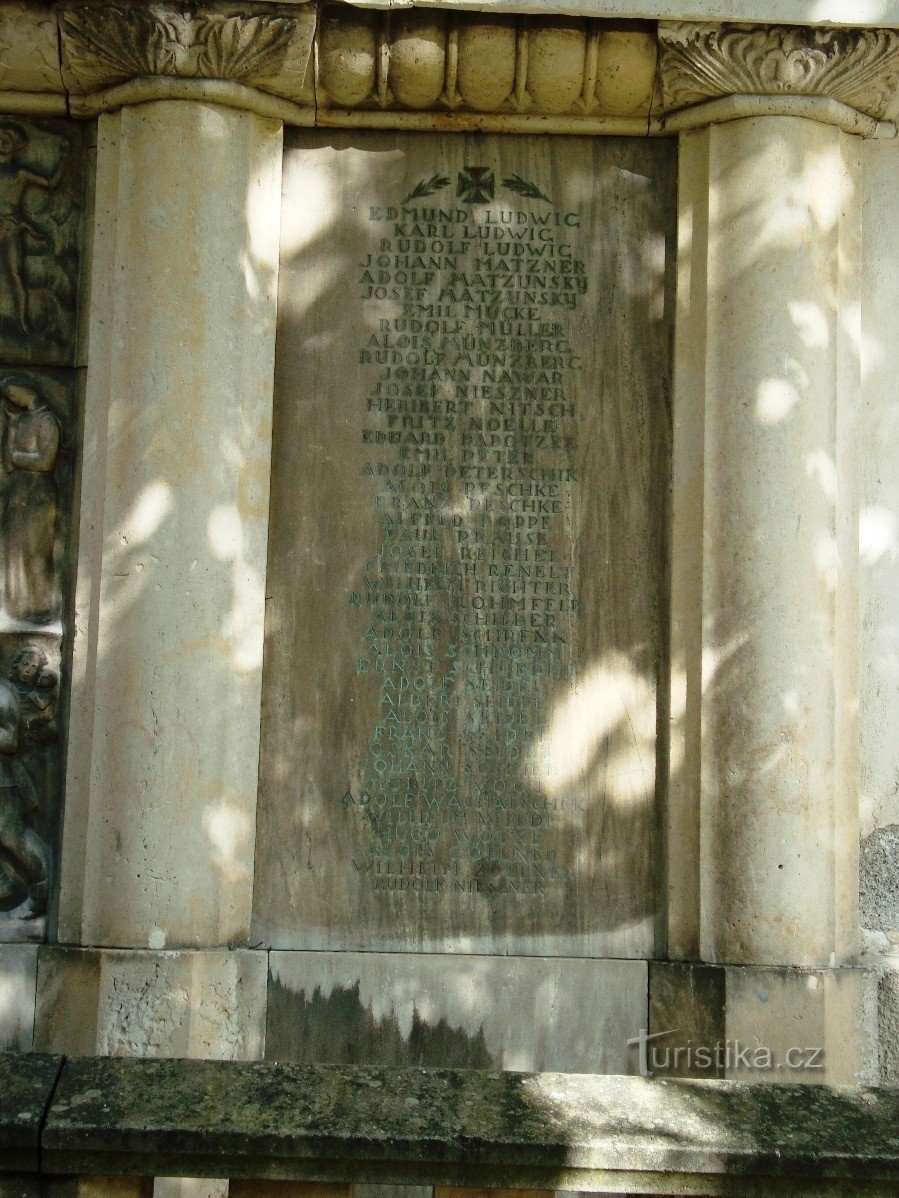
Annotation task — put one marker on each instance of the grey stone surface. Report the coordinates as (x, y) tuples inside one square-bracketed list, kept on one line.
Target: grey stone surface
[(240, 1187), (26, 1084), (789, 12), (18, 978), (560, 1014), (879, 880), (466, 571), (469, 1127), (158, 846), (190, 1187)]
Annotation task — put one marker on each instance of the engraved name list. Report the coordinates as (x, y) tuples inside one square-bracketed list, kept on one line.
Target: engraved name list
[(466, 573), (471, 430)]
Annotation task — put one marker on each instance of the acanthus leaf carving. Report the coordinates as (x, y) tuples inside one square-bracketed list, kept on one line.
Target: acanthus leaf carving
[(106, 44), (859, 67), (130, 42), (246, 50)]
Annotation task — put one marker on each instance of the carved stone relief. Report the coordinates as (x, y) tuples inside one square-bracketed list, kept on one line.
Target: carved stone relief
[(267, 46), (36, 472), (29, 48), (428, 59), (41, 184), (41, 206), (387, 66), (29, 502), (29, 770), (859, 67)]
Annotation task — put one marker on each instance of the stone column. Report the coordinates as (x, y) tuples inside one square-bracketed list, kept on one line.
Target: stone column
[(769, 371), (159, 830), (164, 730), (764, 771)]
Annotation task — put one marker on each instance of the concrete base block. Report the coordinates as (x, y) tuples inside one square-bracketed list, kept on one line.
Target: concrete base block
[(762, 1023), (18, 974), (208, 1005), (559, 1014)]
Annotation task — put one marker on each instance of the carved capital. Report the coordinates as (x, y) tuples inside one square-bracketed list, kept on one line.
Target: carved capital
[(857, 67), (268, 47)]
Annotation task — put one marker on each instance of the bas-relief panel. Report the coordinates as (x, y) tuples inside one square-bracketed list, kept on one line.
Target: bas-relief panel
[(41, 209), (35, 508), (466, 569), (41, 192)]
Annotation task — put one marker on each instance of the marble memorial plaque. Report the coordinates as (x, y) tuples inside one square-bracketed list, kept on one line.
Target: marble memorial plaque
[(466, 581)]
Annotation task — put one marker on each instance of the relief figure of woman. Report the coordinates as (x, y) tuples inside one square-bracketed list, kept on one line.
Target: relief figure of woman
[(28, 502)]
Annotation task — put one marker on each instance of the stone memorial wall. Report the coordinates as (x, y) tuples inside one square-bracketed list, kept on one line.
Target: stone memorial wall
[(554, 709)]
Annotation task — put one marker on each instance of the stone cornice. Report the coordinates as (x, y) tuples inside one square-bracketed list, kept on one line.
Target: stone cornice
[(334, 65)]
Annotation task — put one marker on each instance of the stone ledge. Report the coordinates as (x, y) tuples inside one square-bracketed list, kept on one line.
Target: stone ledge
[(794, 12), (471, 1128), (26, 1086)]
